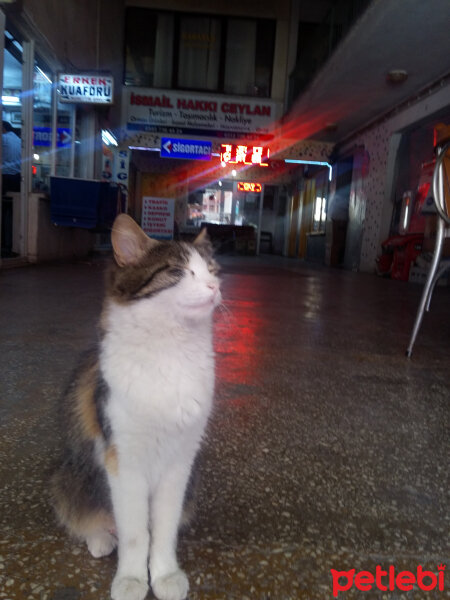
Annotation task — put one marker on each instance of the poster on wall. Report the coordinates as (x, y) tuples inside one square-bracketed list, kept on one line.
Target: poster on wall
[(158, 217)]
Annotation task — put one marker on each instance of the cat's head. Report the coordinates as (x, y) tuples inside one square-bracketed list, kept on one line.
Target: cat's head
[(176, 276)]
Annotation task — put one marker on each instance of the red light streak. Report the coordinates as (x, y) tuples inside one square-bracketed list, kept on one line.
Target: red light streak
[(297, 125)]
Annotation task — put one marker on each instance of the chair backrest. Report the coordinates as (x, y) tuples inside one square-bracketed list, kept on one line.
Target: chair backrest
[(442, 139), (446, 177)]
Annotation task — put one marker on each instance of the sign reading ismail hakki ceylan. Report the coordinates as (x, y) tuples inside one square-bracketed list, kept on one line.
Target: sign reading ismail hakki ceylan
[(85, 88), (170, 112)]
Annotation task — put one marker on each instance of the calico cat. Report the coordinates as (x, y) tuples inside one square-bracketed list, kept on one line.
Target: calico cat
[(137, 408)]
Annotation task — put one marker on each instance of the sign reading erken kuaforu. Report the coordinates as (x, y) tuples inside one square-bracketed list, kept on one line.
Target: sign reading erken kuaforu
[(91, 89)]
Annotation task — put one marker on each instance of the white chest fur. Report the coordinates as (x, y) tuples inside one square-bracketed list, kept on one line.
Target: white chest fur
[(160, 375)]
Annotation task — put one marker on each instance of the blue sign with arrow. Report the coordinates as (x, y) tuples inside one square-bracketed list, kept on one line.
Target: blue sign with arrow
[(42, 136), (187, 149)]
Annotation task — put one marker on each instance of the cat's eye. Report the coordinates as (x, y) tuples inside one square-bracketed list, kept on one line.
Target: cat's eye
[(176, 271)]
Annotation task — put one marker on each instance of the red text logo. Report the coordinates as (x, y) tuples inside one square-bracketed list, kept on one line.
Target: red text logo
[(388, 580)]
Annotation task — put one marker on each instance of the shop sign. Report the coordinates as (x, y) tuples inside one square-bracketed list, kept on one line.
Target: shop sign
[(122, 166), (158, 217), (172, 112), (85, 89), (249, 186), (246, 155), (42, 136), (188, 149), (115, 165)]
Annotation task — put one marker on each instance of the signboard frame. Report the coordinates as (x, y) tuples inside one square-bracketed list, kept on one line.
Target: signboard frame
[(185, 149), (178, 113), (85, 88)]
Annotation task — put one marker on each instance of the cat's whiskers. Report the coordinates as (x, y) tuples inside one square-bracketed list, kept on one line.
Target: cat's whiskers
[(226, 312)]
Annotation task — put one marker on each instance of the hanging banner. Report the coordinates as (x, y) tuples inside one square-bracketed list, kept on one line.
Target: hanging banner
[(158, 217), (172, 112)]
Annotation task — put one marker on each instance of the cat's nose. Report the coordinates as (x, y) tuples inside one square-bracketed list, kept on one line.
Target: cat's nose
[(212, 285)]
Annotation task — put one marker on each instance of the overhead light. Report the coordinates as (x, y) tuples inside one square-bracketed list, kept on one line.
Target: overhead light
[(36, 156), (144, 148), (44, 75), (397, 76), (11, 100), (220, 183), (17, 45), (108, 138), (233, 172), (299, 161)]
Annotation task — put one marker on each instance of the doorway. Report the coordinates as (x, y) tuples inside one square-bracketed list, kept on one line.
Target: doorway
[(233, 216), (11, 147)]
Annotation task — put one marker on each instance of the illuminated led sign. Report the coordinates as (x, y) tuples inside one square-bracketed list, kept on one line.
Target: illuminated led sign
[(248, 186), (234, 154)]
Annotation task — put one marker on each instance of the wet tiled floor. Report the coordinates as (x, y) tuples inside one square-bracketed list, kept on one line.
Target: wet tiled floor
[(327, 449)]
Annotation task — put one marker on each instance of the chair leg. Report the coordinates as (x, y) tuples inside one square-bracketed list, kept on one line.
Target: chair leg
[(429, 284), (438, 275)]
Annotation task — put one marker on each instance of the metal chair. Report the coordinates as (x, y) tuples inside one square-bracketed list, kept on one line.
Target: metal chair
[(441, 197)]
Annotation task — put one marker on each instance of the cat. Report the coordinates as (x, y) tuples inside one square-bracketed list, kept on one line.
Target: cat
[(136, 410)]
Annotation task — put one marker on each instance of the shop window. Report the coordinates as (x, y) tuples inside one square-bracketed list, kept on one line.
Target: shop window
[(11, 146), (249, 57), (148, 48), (12, 81), (49, 160), (320, 214), (199, 52), (320, 201), (65, 140), (12, 113), (42, 127)]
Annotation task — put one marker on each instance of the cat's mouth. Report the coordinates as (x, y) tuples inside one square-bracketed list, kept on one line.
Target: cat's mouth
[(204, 303)]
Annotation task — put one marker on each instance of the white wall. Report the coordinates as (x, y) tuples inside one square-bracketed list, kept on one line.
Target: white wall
[(381, 143)]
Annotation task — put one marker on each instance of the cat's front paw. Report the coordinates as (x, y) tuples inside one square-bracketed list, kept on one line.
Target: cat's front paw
[(128, 588), (101, 544), (174, 586)]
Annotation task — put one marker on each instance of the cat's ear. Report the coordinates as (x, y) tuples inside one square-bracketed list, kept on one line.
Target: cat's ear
[(202, 237), (128, 240), (203, 241)]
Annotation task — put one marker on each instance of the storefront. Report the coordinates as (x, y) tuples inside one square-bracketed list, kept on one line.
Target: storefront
[(389, 198), (50, 135), (221, 159)]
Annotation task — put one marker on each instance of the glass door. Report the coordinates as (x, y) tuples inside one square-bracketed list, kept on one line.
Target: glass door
[(11, 147)]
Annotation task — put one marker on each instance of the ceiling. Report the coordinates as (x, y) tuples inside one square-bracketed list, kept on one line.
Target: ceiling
[(351, 89)]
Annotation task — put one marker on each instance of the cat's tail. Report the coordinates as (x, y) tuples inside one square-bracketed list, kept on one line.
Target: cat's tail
[(82, 510)]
